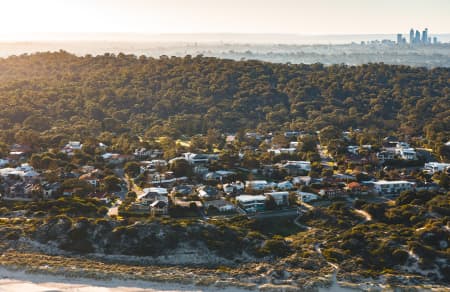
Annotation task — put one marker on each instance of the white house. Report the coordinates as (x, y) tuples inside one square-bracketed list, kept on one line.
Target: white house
[(305, 165), (160, 191), (301, 180), (433, 167), (285, 185), (279, 151), (306, 197), (353, 149), (218, 175), (252, 203), (392, 187), (236, 186), (196, 159), (293, 144), (385, 155), (257, 185), (281, 198), (72, 146), (405, 151), (159, 208), (221, 205)]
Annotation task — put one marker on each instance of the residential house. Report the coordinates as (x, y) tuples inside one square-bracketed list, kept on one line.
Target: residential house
[(305, 165), (279, 151), (390, 141), (281, 198), (421, 186), (302, 180), (392, 187), (159, 208), (251, 135), (306, 197), (405, 151), (219, 175), (342, 177), (142, 153), (184, 190), (353, 149), (148, 198), (252, 203), (71, 147), (208, 192), (331, 193), (220, 205), (17, 190), (25, 172), (291, 134), (257, 185), (68, 192), (285, 185), (158, 163), (18, 151), (90, 178), (293, 144), (385, 155), (197, 159), (233, 187), (355, 188), (433, 167), (50, 190), (201, 170), (116, 158), (296, 167)]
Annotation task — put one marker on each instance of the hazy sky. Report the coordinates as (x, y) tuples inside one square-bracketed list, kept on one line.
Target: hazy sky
[(235, 16)]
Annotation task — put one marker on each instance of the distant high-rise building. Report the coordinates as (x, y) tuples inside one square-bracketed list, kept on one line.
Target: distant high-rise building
[(399, 39), (417, 37), (411, 36), (425, 36), (435, 41)]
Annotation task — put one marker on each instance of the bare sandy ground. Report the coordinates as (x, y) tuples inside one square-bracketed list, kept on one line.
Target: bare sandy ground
[(23, 282)]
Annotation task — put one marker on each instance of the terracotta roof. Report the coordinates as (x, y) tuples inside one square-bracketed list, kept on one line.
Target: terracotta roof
[(353, 185)]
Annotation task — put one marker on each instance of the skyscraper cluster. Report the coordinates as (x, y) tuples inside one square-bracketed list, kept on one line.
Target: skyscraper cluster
[(415, 38)]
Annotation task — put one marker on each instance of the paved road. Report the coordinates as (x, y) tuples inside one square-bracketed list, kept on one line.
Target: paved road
[(367, 216), (276, 213)]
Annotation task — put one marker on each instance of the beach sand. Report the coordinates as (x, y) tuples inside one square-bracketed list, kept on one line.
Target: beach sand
[(18, 281)]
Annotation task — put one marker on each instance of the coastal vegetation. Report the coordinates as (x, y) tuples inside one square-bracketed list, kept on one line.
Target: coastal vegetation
[(49, 97)]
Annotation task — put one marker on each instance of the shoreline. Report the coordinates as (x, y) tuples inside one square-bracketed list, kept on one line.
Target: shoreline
[(11, 280), (47, 276)]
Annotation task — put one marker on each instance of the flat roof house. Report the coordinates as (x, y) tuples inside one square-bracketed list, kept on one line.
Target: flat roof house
[(392, 187), (258, 185), (281, 198), (252, 203)]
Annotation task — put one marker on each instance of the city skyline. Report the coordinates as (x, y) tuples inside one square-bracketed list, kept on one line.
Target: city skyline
[(416, 37), (321, 17)]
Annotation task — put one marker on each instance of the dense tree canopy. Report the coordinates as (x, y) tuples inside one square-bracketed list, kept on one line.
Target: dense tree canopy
[(47, 95)]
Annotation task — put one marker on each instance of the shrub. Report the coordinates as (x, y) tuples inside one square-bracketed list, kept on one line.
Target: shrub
[(400, 256), (275, 247)]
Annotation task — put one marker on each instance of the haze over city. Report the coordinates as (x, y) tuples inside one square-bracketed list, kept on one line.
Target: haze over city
[(35, 20)]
